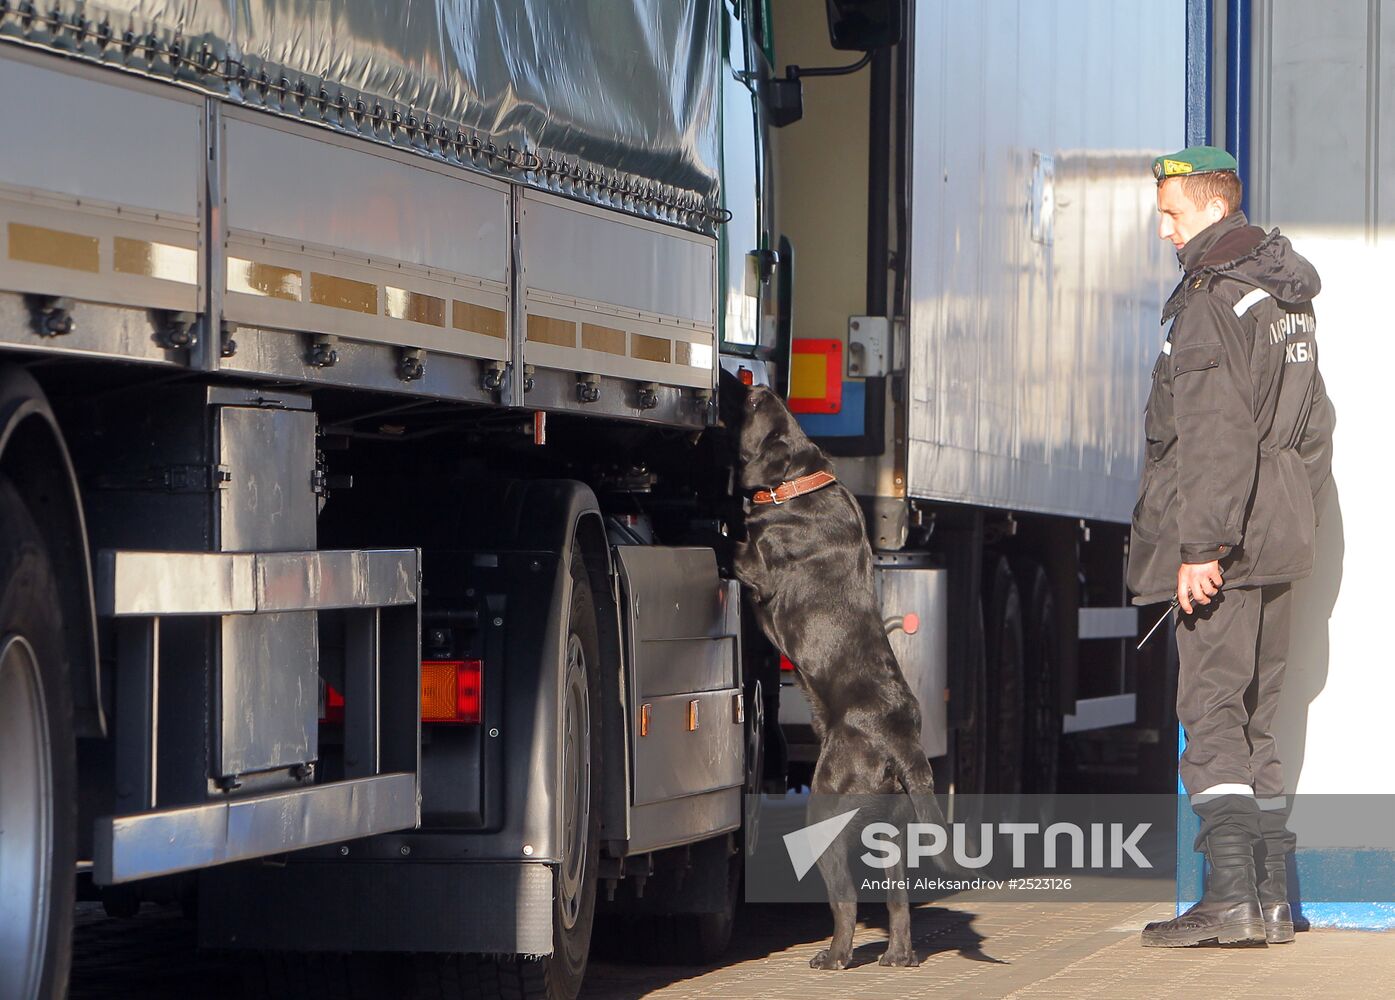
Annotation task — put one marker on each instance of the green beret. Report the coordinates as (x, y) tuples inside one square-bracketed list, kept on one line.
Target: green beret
[(1193, 160)]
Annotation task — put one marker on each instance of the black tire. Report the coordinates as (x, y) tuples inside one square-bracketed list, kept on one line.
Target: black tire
[(1006, 706), (755, 767), (708, 935), (318, 976), (564, 969), (557, 976), (971, 738), (679, 938), (1041, 696), (38, 771)]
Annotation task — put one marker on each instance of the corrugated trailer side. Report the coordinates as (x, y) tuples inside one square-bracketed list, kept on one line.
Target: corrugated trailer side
[(1036, 277)]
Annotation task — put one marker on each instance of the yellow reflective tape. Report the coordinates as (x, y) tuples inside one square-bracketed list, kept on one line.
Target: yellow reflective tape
[(156, 260), (602, 338), (343, 293), (415, 306), (251, 278), (650, 348), (548, 330), (37, 245), (1173, 167), (693, 355), (473, 318), (808, 376)]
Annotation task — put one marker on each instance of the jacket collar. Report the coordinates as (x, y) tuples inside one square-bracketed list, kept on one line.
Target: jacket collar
[(1197, 252), (1215, 249)]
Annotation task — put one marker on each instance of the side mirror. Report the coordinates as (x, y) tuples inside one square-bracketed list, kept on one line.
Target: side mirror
[(863, 25)]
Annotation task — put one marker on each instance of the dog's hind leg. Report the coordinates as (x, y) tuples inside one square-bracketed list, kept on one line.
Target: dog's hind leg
[(838, 954), (899, 948), (842, 898), (840, 772)]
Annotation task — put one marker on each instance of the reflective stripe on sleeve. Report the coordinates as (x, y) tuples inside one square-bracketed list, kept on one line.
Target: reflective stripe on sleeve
[(1251, 297)]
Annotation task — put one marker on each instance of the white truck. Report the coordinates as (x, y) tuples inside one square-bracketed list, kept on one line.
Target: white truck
[(363, 519), (978, 361)]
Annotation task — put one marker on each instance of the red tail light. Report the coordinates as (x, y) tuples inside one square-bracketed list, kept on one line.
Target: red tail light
[(331, 703), (785, 663), (451, 691)]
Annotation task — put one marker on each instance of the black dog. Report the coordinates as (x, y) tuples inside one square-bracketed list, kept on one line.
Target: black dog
[(808, 565)]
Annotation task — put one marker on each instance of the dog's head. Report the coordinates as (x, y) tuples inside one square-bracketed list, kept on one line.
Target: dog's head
[(772, 445)]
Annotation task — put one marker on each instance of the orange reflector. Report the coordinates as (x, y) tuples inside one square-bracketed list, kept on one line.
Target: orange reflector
[(746, 376), (644, 719), (785, 663), (692, 716), (816, 375), (450, 691), (911, 623)]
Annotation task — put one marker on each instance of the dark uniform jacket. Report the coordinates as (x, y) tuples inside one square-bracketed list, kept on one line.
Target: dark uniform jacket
[(1238, 424)]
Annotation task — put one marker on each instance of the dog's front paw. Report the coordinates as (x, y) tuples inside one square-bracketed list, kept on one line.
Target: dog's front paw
[(827, 960), (902, 957)]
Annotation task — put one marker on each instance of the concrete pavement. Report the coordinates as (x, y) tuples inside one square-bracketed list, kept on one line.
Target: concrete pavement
[(981, 950)]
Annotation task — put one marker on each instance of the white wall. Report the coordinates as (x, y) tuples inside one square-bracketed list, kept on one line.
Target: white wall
[(1324, 172)]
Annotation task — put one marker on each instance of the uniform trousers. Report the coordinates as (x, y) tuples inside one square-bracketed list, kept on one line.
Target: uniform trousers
[(1232, 654)]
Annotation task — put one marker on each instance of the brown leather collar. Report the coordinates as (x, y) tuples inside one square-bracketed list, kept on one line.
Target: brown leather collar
[(792, 488)]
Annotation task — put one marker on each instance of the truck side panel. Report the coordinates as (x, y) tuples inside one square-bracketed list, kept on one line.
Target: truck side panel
[(1036, 278), (85, 212), (334, 237), (606, 296)]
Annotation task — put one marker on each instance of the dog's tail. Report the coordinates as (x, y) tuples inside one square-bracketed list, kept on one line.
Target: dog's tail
[(917, 778)]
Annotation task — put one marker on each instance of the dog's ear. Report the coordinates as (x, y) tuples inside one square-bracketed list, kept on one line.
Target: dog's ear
[(768, 461), (776, 453)]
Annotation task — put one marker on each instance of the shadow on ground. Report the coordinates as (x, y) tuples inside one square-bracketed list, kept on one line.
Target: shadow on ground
[(154, 956)]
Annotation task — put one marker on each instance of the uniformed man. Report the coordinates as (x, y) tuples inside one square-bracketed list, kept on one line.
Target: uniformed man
[(1238, 448)]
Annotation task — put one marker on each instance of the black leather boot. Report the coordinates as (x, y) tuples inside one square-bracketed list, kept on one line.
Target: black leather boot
[(1272, 868), (1228, 911)]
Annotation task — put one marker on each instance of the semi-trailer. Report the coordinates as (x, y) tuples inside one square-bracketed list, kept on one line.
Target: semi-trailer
[(364, 558)]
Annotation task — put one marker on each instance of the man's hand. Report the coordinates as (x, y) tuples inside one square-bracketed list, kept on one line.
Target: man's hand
[(1199, 582)]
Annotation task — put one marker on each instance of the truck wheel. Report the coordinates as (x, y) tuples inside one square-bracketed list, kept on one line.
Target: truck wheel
[(557, 976), (971, 738), (1005, 683), (680, 938), (37, 766), (575, 899), (709, 934), (1040, 764), (755, 769)]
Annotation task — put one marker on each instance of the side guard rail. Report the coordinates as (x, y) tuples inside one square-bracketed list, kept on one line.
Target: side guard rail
[(377, 591)]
